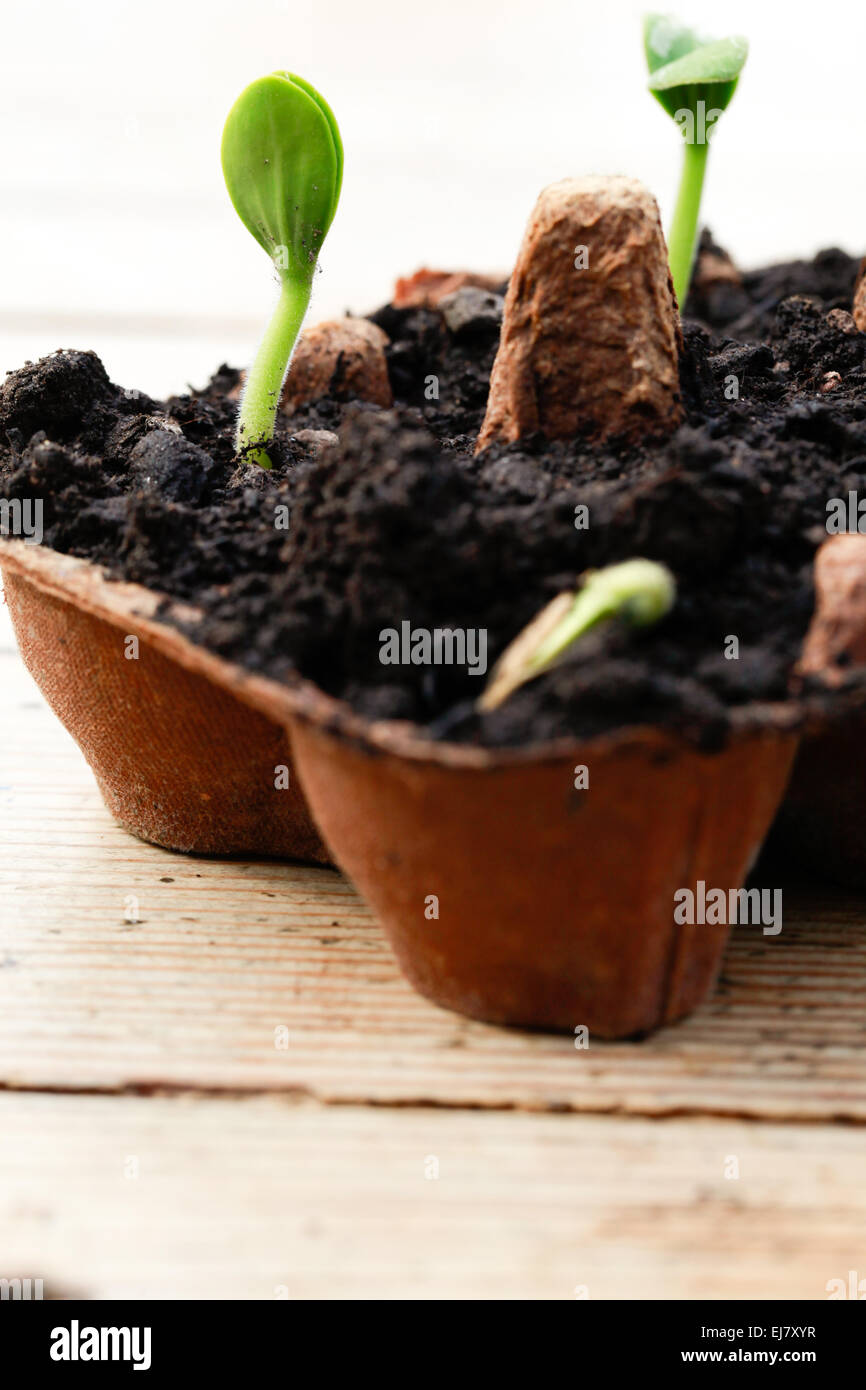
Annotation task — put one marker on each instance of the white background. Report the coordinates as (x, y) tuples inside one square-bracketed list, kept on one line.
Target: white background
[(116, 232)]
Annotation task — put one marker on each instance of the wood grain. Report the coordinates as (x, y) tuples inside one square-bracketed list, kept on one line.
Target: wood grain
[(264, 1197), (225, 953)]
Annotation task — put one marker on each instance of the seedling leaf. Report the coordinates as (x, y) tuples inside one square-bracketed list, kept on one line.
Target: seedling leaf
[(639, 592), (665, 39), (282, 161), (714, 68)]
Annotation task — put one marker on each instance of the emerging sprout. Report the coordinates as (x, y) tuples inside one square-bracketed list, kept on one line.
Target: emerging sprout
[(282, 160), (637, 591), (693, 80)]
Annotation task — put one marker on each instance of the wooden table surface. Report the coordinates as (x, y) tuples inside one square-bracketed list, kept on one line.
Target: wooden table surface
[(154, 1139), (158, 1140)]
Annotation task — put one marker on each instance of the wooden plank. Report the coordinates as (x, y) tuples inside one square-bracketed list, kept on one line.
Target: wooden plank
[(247, 1198), (225, 953)]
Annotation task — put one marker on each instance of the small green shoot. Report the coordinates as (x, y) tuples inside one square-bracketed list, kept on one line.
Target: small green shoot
[(282, 161), (694, 80), (639, 592)]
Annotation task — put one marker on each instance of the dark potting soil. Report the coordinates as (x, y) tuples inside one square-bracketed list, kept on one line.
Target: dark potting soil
[(399, 523)]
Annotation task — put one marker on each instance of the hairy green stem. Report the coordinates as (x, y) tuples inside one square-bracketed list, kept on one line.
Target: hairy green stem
[(264, 384), (684, 226)]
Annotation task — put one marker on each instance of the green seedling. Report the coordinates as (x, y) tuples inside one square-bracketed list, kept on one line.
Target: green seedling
[(638, 592), (694, 80), (282, 160)]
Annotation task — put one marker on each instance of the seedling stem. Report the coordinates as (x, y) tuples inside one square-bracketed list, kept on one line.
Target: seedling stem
[(682, 237), (264, 386)]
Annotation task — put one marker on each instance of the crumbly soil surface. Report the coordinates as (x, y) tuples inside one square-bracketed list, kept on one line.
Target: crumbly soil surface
[(398, 522)]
